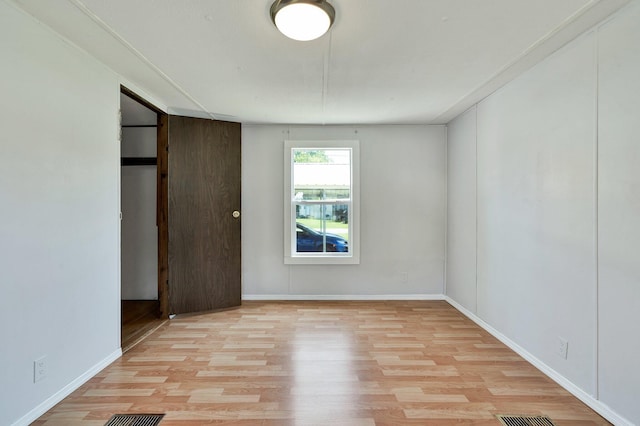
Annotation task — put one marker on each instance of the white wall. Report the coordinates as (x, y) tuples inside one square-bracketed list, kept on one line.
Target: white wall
[(557, 202), (461, 210), (59, 231), (536, 196), (139, 233), (402, 179), (619, 212)]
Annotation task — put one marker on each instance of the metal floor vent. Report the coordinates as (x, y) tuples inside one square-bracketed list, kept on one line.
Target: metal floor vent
[(134, 420), (511, 420)]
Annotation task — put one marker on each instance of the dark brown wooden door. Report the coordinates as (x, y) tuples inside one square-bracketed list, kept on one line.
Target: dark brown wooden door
[(204, 236)]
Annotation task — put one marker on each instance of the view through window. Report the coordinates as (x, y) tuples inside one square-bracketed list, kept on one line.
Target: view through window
[(322, 199), (321, 193)]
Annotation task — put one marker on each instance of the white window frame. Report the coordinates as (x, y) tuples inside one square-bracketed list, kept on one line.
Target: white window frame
[(313, 258)]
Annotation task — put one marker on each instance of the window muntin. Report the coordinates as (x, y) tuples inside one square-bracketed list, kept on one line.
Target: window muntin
[(320, 191)]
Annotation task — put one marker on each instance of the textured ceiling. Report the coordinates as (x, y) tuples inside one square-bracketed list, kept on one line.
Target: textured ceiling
[(416, 62)]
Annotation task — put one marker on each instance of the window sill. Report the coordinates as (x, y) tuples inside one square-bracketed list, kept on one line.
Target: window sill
[(321, 260)]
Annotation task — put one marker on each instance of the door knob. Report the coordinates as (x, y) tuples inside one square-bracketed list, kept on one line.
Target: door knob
[(235, 214)]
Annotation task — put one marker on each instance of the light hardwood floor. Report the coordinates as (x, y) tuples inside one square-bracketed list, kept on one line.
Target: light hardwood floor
[(322, 363), (139, 318)]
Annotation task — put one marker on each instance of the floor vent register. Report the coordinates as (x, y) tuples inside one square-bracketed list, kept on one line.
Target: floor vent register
[(135, 420), (511, 420)]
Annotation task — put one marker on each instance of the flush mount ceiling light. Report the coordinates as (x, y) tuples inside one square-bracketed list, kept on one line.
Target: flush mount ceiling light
[(302, 20)]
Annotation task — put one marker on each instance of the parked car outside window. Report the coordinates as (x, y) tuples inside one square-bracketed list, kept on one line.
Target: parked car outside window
[(310, 240)]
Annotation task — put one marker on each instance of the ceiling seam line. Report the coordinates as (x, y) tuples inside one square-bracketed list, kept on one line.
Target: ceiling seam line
[(325, 77), (84, 9), (528, 51)]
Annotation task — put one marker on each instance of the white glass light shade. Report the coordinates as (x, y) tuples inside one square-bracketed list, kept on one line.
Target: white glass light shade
[(302, 21)]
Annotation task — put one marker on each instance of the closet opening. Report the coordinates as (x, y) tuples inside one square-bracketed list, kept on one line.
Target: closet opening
[(141, 200)]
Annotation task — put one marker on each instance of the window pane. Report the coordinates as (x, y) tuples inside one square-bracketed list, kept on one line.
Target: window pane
[(321, 174), (322, 228), (321, 202)]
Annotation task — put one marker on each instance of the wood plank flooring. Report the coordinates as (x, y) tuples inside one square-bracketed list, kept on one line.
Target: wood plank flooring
[(322, 363), (139, 318)]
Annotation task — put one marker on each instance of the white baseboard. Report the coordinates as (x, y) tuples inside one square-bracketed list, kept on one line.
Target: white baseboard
[(354, 297), (600, 408), (64, 392)]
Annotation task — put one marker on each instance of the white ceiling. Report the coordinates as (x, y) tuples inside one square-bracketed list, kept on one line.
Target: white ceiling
[(396, 61)]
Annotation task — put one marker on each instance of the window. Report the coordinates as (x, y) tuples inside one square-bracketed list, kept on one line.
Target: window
[(321, 221)]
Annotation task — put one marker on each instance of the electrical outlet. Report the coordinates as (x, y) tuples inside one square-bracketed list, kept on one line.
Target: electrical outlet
[(563, 348), (39, 369), (404, 277)]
